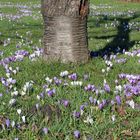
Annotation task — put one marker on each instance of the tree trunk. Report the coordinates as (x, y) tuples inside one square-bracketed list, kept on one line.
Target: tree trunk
[(65, 35)]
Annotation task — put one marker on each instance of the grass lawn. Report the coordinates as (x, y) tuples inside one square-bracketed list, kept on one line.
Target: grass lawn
[(55, 101)]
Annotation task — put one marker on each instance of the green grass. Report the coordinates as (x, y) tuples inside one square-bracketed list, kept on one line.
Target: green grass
[(99, 38)]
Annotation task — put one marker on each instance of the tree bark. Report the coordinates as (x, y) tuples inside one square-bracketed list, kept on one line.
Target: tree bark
[(65, 35)]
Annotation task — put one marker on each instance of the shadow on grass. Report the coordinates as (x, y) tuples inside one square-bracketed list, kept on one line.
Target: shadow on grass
[(121, 41), (22, 27)]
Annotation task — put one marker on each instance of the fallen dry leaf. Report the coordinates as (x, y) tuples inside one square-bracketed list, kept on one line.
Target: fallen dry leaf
[(114, 138), (2, 120), (34, 128), (38, 138), (137, 106), (121, 110), (87, 137), (129, 97), (46, 111), (139, 133), (125, 123), (127, 132), (113, 109), (23, 127), (1, 42)]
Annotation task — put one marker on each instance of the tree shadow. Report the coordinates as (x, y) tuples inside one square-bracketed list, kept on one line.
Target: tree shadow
[(120, 42)]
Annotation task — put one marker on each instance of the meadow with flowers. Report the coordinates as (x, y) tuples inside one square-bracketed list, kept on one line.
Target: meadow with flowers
[(55, 101)]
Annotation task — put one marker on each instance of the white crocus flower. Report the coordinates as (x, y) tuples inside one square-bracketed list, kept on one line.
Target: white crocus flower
[(48, 80), (8, 75), (76, 83), (113, 118), (12, 101), (17, 68), (14, 71), (101, 91), (103, 70), (13, 123), (105, 81), (64, 73), (10, 86), (14, 93), (23, 119), (10, 68), (38, 97), (118, 88), (131, 103), (47, 89), (19, 111), (27, 84), (108, 69), (89, 120), (24, 88), (38, 53), (22, 93), (81, 112), (18, 57), (9, 80), (98, 102), (111, 64), (15, 88), (138, 54)]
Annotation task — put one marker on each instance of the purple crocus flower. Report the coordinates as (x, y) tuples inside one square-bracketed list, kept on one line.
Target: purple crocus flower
[(77, 134), (22, 52), (91, 100), (6, 61), (76, 114), (42, 95), (65, 103), (1, 53), (128, 94), (7, 70), (97, 92), (118, 99), (122, 76), (7, 122), (57, 81), (51, 92), (3, 80), (86, 76), (95, 101), (82, 107), (12, 59), (107, 88), (18, 46), (13, 81), (104, 102), (132, 81), (1, 94), (121, 60), (45, 130), (135, 90), (112, 102), (90, 87), (45, 86), (101, 105), (73, 76)]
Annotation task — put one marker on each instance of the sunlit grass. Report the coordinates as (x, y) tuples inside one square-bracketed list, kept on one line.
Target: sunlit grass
[(26, 33)]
